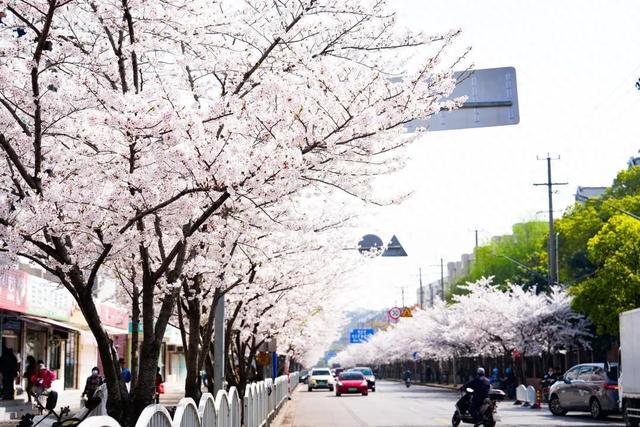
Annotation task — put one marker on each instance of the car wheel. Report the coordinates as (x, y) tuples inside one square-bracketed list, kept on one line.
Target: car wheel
[(337, 394), (365, 394), (373, 389), (309, 389), (595, 409), (455, 421), (330, 388), (555, 407)]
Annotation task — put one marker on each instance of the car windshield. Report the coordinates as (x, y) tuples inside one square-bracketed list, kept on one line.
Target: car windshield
[(365, 371), (351, 376), (320, 372)]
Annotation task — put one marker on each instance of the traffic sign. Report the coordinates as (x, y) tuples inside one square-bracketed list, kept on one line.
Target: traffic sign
[(360, 335), (492, 101), (406, 312), (395, 313)]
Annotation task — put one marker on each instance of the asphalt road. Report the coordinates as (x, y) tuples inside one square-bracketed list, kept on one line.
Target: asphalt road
[(393, 405)]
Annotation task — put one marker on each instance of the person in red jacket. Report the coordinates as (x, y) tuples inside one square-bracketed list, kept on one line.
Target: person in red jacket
[(42, 380), (159, 385)]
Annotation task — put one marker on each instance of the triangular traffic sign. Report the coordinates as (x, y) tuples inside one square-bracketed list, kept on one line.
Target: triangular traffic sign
[(394, 248)]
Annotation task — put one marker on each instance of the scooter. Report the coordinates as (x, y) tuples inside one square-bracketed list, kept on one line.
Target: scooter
[(488, 410), (407, 382), (61, 419)]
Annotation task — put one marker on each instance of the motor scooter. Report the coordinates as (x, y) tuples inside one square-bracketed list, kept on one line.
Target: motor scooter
[(407, 382), (488, 410)]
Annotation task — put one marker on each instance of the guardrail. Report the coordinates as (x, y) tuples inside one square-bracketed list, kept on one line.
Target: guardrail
[(526, 395), (261, 402)]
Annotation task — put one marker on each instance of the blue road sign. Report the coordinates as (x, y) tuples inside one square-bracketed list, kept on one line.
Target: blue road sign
[(360, 335)]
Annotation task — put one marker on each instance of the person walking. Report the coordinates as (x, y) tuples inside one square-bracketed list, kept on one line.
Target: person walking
[(30, 372), (159, 385), (125, 372), (9, 370), (93, 382)]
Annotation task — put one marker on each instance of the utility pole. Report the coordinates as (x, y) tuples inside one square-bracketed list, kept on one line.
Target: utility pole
[(442, 278), (553, 271), (218, 347), (421, 290), (403, 297), (476, 233)]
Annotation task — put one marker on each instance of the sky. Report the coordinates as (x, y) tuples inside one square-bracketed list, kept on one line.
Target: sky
[(576, 62)]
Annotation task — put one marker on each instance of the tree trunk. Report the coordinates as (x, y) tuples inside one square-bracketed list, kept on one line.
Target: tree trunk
[(135, 336), (192, 381), (118, 401)]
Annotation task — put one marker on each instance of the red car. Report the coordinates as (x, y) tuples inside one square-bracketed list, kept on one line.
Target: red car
[(352, 382)]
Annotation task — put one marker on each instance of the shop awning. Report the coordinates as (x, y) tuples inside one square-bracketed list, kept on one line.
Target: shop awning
[(52, 322), (115, 331)]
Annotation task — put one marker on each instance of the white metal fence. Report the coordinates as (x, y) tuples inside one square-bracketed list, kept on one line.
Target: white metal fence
[(261, 402), (526, 395)]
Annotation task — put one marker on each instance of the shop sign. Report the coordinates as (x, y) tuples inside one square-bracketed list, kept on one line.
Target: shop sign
[(13, 290), (49, 299), (112, 315)]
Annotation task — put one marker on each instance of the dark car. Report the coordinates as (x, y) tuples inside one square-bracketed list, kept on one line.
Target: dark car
[(368, 374), (590, 387)]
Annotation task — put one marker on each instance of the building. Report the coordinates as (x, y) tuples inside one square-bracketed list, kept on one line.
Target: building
[(433, 291), (585, 193), (39, 318)]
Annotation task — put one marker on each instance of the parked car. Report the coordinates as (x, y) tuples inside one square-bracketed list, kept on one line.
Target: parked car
[(320, 378), (352, 382), (368, 374), (590, 387)]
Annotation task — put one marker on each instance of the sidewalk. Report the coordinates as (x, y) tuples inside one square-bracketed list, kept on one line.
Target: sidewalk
[(452, 387)]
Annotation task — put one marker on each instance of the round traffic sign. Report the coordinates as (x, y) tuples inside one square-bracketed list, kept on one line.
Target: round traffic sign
[(395, 313)]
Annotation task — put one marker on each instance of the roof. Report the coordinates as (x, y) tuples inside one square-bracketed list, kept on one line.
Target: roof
[(585, 193)]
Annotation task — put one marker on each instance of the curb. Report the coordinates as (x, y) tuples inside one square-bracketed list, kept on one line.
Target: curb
[(451, 387)]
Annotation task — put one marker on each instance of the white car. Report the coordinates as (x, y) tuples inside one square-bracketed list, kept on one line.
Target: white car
[(320, 378)]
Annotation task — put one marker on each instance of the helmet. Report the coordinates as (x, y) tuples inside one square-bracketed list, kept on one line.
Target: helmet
[(480, 371)]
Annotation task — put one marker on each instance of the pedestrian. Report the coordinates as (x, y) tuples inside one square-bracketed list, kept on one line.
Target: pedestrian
[(93, 382), (126, 373), (159, 385), (510, 383), (42, 380), (9, 370), (30, 372)]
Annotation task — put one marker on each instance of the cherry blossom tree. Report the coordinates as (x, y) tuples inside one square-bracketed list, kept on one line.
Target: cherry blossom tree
[(131, 131), (486, 320)]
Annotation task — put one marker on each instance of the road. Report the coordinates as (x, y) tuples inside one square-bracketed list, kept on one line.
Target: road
[(393, 405)]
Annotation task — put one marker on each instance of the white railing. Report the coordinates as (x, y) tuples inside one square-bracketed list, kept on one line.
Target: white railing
[(261, 402), (526, 395)]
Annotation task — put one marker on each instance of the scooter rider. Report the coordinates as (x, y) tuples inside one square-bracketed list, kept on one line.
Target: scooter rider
[(481, 387), (406, 376)]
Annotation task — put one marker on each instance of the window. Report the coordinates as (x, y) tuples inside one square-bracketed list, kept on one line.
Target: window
[(586, 373), (351, 376), (320, 372), (365, 371), (572, 374)]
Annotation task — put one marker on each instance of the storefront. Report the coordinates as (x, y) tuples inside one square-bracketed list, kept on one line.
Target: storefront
[(34, 314)]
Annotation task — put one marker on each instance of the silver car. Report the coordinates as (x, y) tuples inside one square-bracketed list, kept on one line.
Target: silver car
[(590, 387)]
